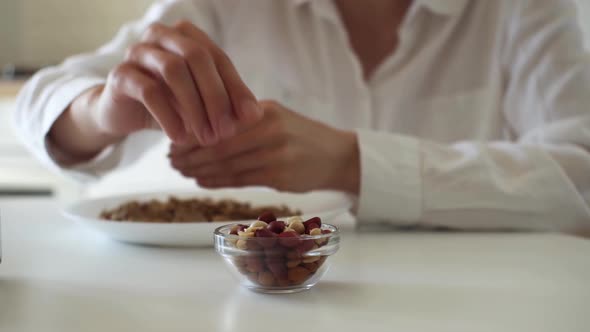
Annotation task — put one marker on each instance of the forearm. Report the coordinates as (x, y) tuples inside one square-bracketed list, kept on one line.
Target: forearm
[(57, 131), (76, 134), (347, 178)]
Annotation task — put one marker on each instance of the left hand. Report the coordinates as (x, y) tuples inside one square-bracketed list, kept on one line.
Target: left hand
[(284, 150)]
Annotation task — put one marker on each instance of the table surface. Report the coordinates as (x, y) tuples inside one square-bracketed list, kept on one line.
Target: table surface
[(57, 276)]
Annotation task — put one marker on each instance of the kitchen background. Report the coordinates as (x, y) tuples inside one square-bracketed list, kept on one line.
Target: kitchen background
[(34, 33)]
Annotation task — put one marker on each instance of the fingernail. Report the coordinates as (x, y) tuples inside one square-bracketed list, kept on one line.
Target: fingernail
[(250, 109), (208, 137), (227, 125)]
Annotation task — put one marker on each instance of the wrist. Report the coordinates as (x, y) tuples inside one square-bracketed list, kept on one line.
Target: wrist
[(76, 134), (87, 109)]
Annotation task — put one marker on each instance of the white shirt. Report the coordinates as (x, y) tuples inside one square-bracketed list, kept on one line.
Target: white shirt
[(479, 120)]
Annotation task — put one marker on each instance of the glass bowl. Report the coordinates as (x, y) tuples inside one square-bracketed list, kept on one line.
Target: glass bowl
[(275, 264)]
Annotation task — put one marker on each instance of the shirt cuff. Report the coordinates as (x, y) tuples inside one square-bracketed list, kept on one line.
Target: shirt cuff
[(391, 183)]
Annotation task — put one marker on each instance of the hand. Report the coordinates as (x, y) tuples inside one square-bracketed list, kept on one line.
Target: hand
[(284, 150), (176, 79)]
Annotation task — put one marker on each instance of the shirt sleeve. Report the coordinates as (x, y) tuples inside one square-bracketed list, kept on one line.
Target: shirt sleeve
[(538, 181), (49, 92)]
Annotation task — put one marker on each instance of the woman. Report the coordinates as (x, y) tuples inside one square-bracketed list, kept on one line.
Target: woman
[(461, 113)]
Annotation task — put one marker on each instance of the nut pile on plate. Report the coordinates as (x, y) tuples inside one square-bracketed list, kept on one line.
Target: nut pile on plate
[(190, 210), (279, 250)]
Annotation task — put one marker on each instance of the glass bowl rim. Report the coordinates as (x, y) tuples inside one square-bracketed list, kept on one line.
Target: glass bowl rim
[(218, 233)]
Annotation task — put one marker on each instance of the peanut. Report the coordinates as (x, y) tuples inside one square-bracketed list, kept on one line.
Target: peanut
[(298, 274), (293, 263), (258, 224), (266, 279), (294, 219), (311, 266), (310, 259), (298, 227), (267, 217), (315, 231), (242, 244), (254, 264), (246, 234)]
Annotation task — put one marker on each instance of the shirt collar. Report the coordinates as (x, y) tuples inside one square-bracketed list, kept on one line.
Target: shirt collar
[(442, 7)]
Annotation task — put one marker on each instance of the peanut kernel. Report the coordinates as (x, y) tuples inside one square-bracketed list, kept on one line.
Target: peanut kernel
[(315, 231), (297, 227), (246, 234), (293, 263), (313, 267), (253, 229), (266, 278), (242, 244), (259, 224), (294, 219), (311, 259), (298, 274)]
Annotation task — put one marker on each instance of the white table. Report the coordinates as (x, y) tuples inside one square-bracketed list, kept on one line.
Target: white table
[(57, 276), (19, 171)]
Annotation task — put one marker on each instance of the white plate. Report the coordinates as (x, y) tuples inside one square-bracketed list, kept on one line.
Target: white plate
[(326, 205)]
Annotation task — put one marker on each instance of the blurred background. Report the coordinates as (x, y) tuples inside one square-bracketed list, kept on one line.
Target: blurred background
[(37, 33), (40, 32)]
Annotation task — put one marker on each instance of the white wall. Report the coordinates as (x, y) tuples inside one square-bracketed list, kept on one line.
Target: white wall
[(37, 32), (584, 17), (41, 32), (8, 30)]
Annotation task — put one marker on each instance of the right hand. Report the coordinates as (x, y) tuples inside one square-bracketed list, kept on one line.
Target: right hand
[(176, 79)]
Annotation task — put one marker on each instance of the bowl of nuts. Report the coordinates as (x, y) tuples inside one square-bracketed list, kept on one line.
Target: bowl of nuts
[(275, 256)]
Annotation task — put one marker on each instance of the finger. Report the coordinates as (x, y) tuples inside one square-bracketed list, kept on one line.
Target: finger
[(204, 73), (243, 101), (134, 83), (256, 137), (260, 131), (213, 92), (173, 70), (179, 150), (247, 161)]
